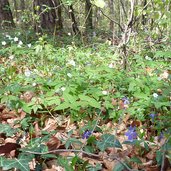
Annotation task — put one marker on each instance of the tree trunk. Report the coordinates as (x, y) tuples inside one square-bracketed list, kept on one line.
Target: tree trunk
[(89, 15), (22, 5), (6, 18), (74, 23), (144, 16), (45, 9), (59, 14)]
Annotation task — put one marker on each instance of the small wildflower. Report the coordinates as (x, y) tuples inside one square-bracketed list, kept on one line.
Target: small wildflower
[(161, 136), (3, 43), (29, 45), (20, 42), (104, 92), (63, 88), (148, 58), (111, 65), (152, 116), (86, 134), (131, 133), (125, 100), (71, 62), (155, 95), (69, 34), (15, 39), (69, 75), (8, 36), (11, 57), (34, 84), (27, 73)]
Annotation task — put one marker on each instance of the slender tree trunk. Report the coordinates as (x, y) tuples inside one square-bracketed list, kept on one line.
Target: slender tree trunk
[(74, 23), (144, 16), (59, 14), (6, 18), (89, 15), (22, 5), (45, 9), (15, 9)]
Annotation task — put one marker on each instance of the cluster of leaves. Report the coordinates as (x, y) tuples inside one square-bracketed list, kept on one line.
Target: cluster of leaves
[(67, 100)]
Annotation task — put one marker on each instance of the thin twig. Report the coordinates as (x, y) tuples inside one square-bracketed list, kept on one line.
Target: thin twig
[(64, 150), (112, 20)]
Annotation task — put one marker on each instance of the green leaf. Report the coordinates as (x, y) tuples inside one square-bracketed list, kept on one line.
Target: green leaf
[(7, 130), (20, 163), (159, 157), (108, 140), (136, 160), (119, 167), (62, 106), (99, 3), (92, 102)]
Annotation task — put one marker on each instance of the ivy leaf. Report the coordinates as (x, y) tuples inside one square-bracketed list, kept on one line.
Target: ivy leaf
[(108, 140), (22, 163), (7, 130)]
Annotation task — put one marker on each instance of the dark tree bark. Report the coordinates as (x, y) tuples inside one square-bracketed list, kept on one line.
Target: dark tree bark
[(22, 5), (89, 15), (46, 10), (59, 14), (144, 16), (6, 18), (74, 23)]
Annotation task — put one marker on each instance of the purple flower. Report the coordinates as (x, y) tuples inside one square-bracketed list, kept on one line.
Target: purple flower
[(161, 136), (86, 134), (152, 116), (131, 133), (125, 100)]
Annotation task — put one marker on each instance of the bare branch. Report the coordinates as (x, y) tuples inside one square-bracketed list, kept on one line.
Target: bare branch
[(112, 20)]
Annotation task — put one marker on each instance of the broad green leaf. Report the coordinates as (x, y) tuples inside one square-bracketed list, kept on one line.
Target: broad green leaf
[(159, 157), (119, 167), (92, 102), (20, 163), (136, 160), (7, 130), (69, 98), (108, 140), (63, 106)]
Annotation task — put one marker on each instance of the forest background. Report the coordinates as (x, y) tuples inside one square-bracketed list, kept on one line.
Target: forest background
[(85, 85)]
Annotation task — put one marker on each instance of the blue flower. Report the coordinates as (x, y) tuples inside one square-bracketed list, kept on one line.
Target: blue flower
[(125, 100), (131, 133), (152, 116), (161, 136), (86, 134)]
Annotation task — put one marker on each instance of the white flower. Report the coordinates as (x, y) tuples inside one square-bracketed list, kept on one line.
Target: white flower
[(11, 57), (71, 62), (19, 46), (27, 73), (155, 95), (69, 75), (29, 45), (20, 43), (3, 43), (104, 92), (148, 58), (34, 84), (69, 34), (8, 36), (15, 39), (111, 65), (63, 88)]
